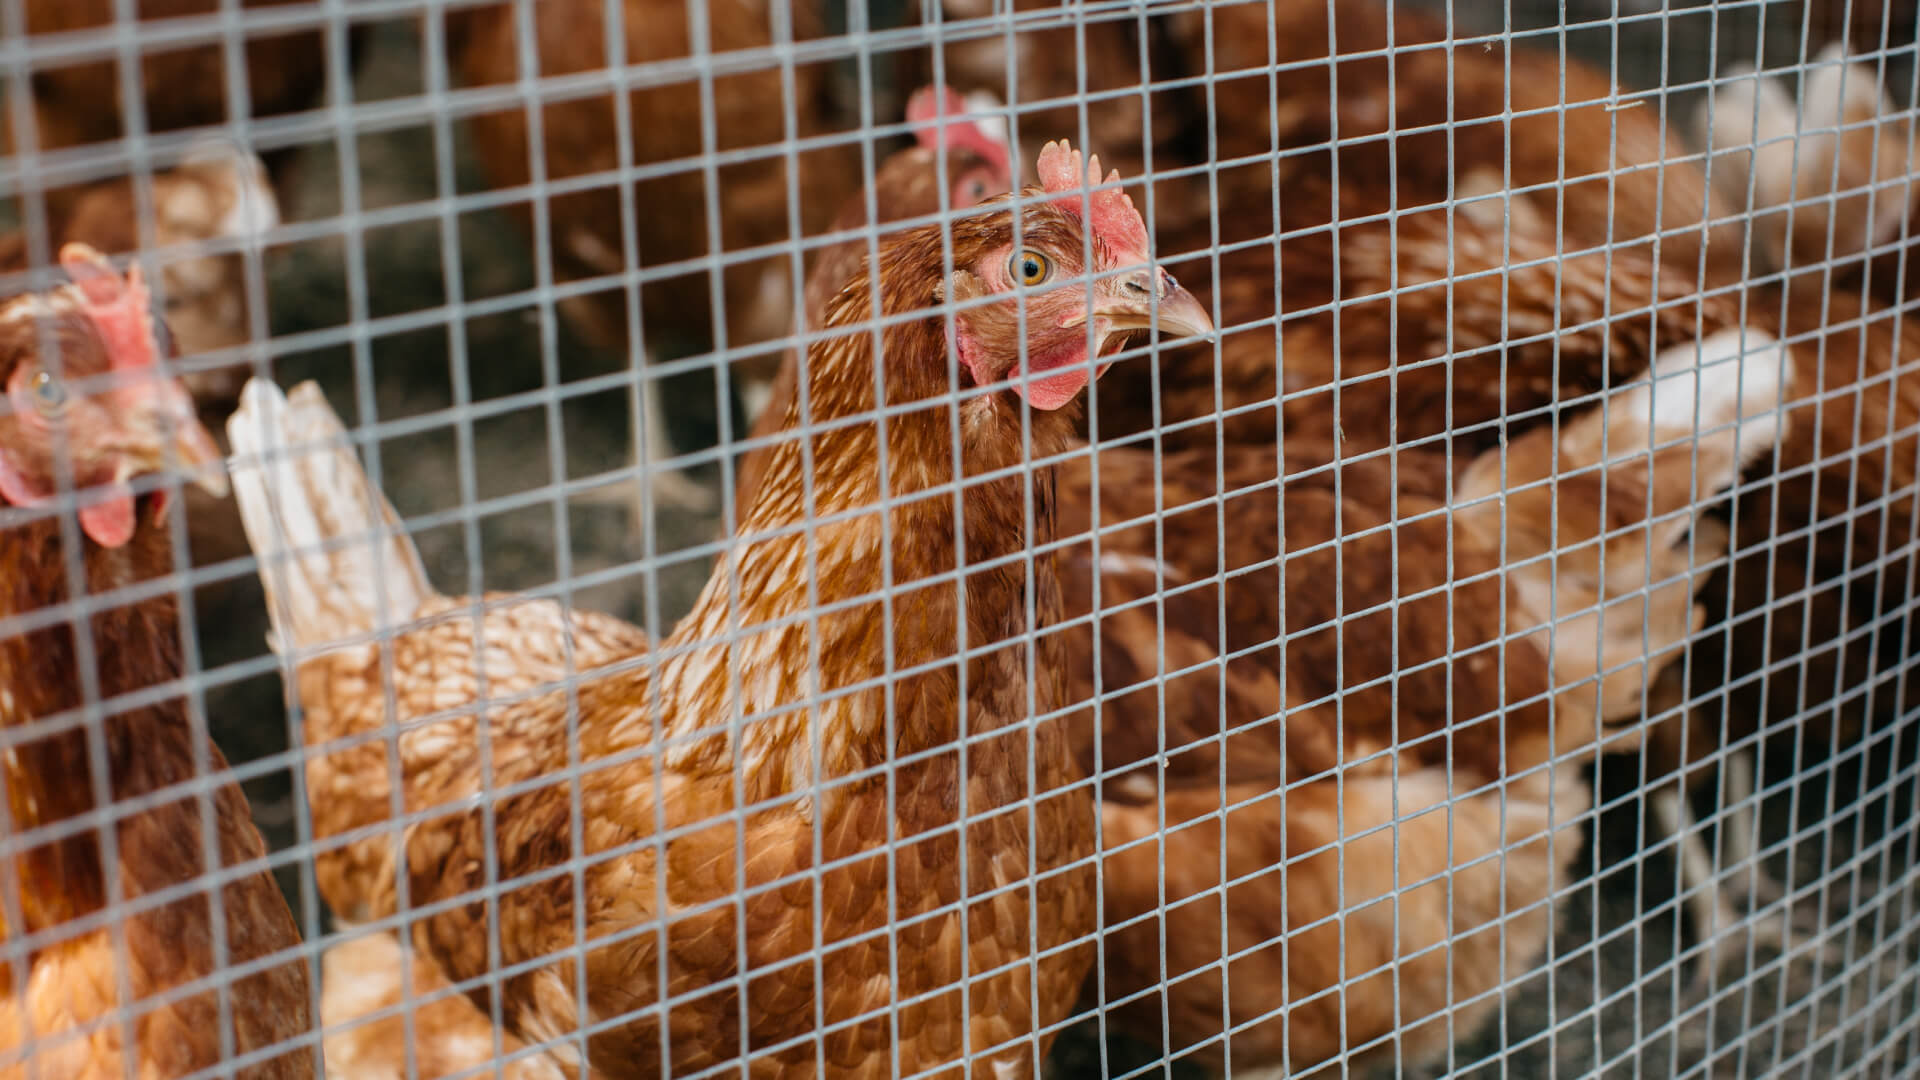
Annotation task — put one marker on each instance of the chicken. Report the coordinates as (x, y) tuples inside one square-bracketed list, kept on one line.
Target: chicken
[(906, 187), (1802, 645), (589, 234), (1432, 126), (1813, 651), (219, 199), (1476, 338), (142, 985), (1815, 640), (80, 104), (425, 1022), (1426, 344), (1831, 176), (1433, 113), (1063, 58), (1427, 716), (770, 799)]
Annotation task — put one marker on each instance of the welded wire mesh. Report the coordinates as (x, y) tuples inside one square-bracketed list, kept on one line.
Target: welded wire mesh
[(1397, 684)]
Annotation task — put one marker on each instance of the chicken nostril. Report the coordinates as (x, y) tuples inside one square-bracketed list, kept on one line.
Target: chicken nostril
[(1139, 285)]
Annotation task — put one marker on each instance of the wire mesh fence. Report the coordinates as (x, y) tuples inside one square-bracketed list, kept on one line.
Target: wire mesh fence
[(740, 553)]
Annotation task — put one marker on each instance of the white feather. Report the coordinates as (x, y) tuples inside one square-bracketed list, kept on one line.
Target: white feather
[(989, 115), (1737, 375), (255, 211), (333, 557)]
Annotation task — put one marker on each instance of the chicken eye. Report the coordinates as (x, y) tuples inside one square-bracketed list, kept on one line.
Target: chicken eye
[(1030, 268), (49, 394)]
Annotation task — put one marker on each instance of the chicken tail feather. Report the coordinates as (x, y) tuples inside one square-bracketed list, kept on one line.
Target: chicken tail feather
[(334, 558), (1715, 402)]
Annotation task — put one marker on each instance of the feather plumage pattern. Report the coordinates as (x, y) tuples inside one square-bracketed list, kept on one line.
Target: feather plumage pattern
[(752, 821)]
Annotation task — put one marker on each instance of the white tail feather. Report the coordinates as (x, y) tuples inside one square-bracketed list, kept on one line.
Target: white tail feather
[(1836, 92), (334, 559), (1733, 376), (1749, 112)]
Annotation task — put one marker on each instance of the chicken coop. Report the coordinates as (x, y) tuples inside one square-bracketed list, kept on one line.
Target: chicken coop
[(978, 538)]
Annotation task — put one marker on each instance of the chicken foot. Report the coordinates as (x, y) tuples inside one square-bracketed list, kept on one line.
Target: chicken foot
[(1715, 894)]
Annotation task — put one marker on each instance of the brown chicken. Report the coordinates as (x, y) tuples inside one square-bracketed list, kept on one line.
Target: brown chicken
[(140, 988), (1816, 642), (1815, 651), (905, 187), (1127, 110), (1406, 108), (80, 103), (587, 230), (1801, 620), (377, 1019), (1476, 338), (1831, 175), (771, 799), (1426, 717), (219, 199), (1437, 130)]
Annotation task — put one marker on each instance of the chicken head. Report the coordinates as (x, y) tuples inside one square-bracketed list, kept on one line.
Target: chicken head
[(103, 399), (1074, 310), (963, 124)]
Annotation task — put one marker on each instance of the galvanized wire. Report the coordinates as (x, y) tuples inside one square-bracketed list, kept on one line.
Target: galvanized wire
[(1596, 1019)]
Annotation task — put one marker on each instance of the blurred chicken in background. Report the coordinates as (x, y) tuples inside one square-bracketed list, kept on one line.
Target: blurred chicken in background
[(205, 212), (685, 213), (1829, 177), (1807, 643), (83, 103), (1414, 132), (1423, 660), (1064, 64)]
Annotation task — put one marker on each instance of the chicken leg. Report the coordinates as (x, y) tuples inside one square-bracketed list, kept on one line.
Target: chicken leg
[(1723, 897)]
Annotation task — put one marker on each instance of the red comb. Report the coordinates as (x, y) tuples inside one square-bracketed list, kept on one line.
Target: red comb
[(118, 306), (1111, 212), (929, 105)]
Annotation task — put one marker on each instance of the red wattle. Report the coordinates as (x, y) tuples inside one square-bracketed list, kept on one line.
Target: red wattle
[(1052, 392), (110, 522), (14, 487)]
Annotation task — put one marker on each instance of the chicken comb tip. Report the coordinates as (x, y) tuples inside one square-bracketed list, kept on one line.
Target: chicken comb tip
[(940, 114), (1059, 167), (929, 103), (83, 262), (120, 307), (1111, 212)]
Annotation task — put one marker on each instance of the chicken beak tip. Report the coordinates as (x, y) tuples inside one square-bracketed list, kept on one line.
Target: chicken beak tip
[(198, 454), (1182, 313)]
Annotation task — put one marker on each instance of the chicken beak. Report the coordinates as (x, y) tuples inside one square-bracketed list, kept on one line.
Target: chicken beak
[(199, 457), (1132, 304)]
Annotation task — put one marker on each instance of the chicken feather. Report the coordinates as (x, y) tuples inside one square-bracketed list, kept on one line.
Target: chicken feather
[(142, 989), (1830, 177), (906, 186), (779, 858), (1800, 613), (1426, 717)]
